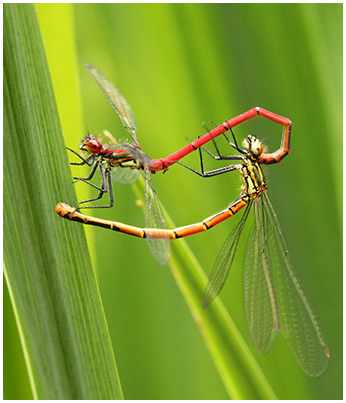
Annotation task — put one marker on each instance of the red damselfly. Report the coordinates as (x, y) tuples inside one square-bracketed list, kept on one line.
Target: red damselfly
[(121, 163), (112, 161), (275, 297)]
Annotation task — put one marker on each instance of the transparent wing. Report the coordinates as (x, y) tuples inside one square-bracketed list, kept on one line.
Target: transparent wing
[(224, 260), (154, 218), (261, 304), (125, 176), (118, 102), (299, 323)]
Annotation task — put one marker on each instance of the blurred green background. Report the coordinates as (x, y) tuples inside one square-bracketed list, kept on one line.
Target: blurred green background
[(178, 66)]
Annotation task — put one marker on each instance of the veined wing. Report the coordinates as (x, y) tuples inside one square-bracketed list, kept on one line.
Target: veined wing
[(125, 176), (261, 303), (224, 260), (299, 323), (154, 218), (116, 99)]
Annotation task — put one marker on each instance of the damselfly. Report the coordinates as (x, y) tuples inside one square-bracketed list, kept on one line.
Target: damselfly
[(121, 163), (275, 297), (112, 161)]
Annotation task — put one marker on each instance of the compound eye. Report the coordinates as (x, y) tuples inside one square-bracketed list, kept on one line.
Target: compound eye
[(93, 146)]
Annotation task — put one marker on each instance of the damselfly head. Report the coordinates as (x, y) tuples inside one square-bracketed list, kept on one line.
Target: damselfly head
[(253, 145), (91, 144)]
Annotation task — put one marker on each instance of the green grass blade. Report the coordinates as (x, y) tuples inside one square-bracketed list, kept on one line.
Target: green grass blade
[(47, 266), (238, 369)]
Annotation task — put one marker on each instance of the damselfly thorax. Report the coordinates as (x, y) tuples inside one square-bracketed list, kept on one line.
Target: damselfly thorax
[(115, 155)]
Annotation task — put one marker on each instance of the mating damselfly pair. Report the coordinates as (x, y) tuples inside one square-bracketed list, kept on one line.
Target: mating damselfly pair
[(275, 297)]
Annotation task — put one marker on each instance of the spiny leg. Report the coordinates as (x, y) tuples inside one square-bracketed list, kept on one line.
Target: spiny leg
[(90, 176), (214, 172), (219, 156), (89, 161), (105, 187)]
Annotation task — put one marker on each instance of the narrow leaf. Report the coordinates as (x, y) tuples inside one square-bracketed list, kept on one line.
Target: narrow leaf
[(48, 271)]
